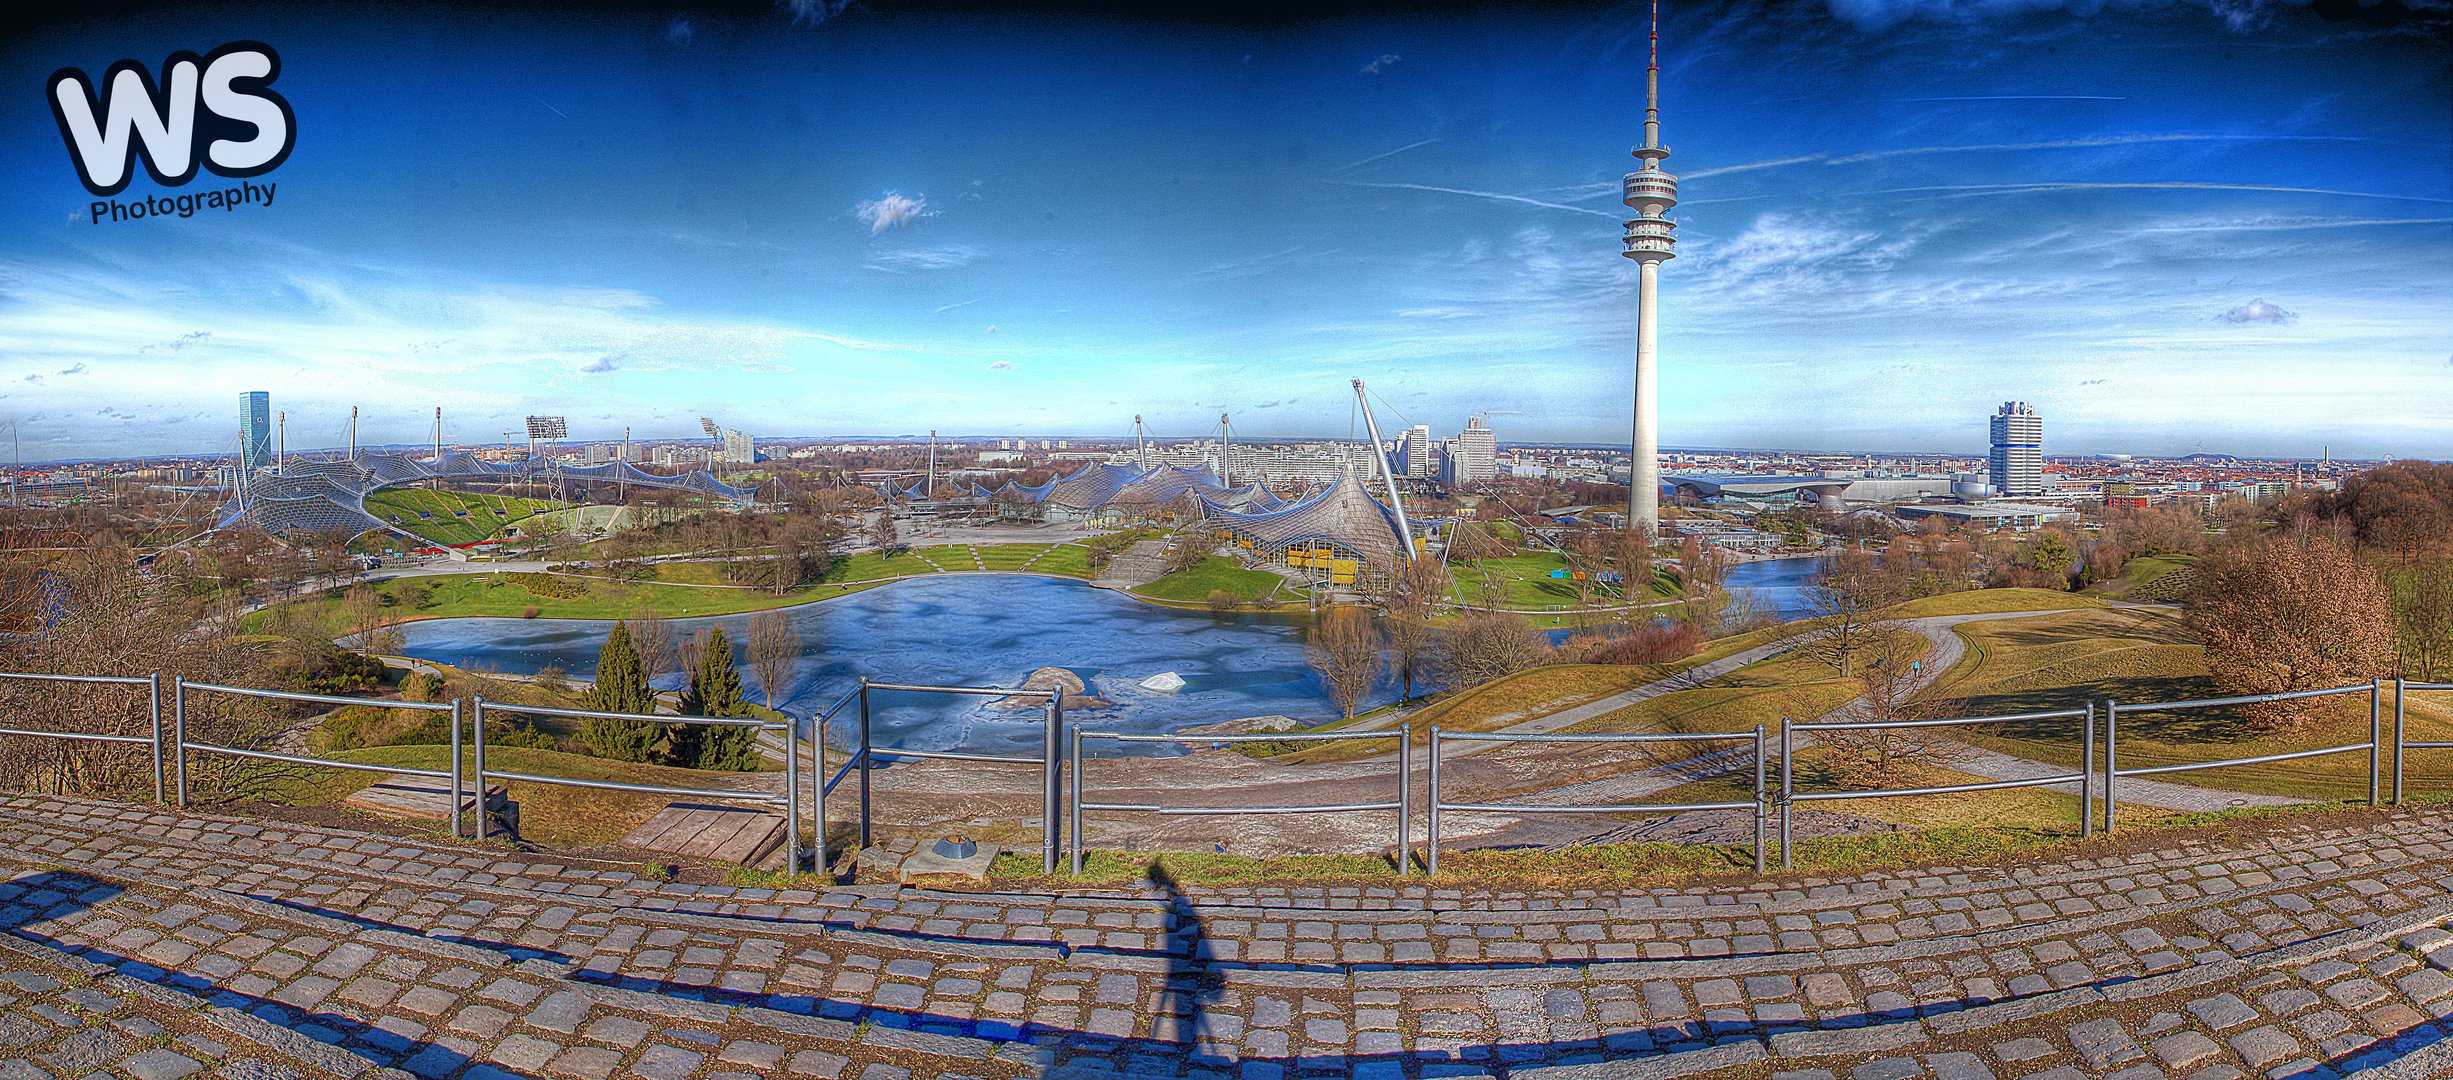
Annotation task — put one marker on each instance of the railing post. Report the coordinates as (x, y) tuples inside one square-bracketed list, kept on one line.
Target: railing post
[(2376, 735), (1430, 860), (2086, 777), (153, 683), (866, 760), (1761, 812), (1786, 787), (817, 784), (2112, 761), (2401, 693), (1073, 760), (178, 734), (1052, 801), (1405, 797), (792, 795), (477, 725), (459, 790)]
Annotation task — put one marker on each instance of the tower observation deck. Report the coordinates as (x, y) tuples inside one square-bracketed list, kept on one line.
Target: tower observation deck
[(1652, 239)]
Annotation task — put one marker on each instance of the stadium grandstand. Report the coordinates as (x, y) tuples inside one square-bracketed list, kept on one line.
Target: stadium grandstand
[(330, 496)]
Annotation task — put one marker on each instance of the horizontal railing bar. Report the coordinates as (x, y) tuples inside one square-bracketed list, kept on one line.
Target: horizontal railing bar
[(2427, 746), (133, 680), (1619, 808), (951, 755), (79, 736), (652, 718), (1950, 789), (1290, 736), (1316, 808), (974, 691), (1958, 721), (2250, 699), (327, 699), (1503, 736), (2189, 766), (2427, 686), (322, 763), (644, 789)]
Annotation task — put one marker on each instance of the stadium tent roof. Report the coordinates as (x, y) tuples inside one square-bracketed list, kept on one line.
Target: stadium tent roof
[(323, 496), (1091, 488), (1344, 514), (1166, 484)]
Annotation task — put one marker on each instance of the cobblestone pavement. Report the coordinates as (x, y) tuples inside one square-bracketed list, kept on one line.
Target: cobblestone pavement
[(143, 943)]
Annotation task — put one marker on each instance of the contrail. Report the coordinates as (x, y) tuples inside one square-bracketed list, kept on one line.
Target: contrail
[(2189, 185), (1749, 167), (1501, 196), (2284, 226), (950, 307), (1377, 157), (549, 107), (2080, 144)]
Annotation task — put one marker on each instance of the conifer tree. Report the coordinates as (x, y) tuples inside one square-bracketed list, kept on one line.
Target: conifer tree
[(621, 686), (715, 690)]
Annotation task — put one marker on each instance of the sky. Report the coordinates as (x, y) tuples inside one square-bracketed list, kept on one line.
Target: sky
[(2171, 225)]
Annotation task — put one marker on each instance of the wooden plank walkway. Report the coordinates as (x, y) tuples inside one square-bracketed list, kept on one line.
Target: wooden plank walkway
[(735, 834)]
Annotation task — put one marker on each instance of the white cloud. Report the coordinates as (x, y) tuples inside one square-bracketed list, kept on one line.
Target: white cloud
[(1383, 63), (2258, 311), (892, 210), (1001, 365), (909, 259)]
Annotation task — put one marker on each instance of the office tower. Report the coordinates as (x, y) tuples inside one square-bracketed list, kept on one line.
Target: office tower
[(1476, 450), (255, 431), (1415, 453), (2018, 450)]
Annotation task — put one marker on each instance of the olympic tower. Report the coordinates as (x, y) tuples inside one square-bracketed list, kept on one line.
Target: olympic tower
[(1651, 241)]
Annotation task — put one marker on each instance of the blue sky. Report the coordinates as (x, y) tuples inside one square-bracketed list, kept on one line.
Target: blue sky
[(2172, 227)]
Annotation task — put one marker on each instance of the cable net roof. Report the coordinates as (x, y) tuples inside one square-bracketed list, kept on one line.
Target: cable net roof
[(330, 495), (1344, 514)]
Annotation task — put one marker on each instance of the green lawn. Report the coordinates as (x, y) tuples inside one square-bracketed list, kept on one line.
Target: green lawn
[(872, 566), (1008, 556), (1528, 585), (501, 595), (453, 517), (1215, 573), (1071, 560)]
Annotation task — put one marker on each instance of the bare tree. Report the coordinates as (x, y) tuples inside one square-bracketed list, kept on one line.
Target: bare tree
[(1842, 603), (2423, 621), (1344, 647), (1410, 598), (775, 642), (1889, 679), (1702, 567), (652, 637), (1484, 645)]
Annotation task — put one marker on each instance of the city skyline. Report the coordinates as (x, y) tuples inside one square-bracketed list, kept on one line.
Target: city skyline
[(2170, 229)]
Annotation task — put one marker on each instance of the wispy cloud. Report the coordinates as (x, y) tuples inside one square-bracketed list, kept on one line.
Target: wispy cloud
[(2258, 311), (2286, 225), (892, 210), (1002, 365), (1382, 63), (1751, 166), (950, 307), (602, 364), (903, 260)]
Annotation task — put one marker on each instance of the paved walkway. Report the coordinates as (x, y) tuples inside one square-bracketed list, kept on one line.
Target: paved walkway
[(162, 945)]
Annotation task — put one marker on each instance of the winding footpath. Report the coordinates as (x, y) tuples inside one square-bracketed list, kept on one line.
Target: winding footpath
[(141, 942)]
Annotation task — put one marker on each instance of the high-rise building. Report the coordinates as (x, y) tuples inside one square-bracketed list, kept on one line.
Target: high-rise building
[(739, 448), (1414, 453), (1651, 240), (2018, 450), (1476, 450), (255, 431)]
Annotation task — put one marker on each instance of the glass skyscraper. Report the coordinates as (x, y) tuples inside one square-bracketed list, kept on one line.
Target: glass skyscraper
[(255, 431)]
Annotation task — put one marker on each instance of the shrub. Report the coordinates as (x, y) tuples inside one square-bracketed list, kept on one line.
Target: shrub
[(422, 686), (1656, 643), (1221, 600), (530, 612)]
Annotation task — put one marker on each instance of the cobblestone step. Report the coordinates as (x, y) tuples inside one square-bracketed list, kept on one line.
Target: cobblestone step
[(2329, 935)]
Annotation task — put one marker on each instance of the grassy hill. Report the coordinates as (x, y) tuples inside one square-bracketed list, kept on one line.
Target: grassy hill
[(453, 517)]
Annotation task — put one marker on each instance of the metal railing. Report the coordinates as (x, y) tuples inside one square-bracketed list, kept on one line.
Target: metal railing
[(2112, 723), (1050, 758), (2402, 689), (789, 800), (1789, 795), (153, 685), (1436, 805), (180, 687), (1403, 804), (819, 857)]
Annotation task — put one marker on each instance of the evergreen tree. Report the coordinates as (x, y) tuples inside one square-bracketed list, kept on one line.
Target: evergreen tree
[(715, 690), (621, 686)]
